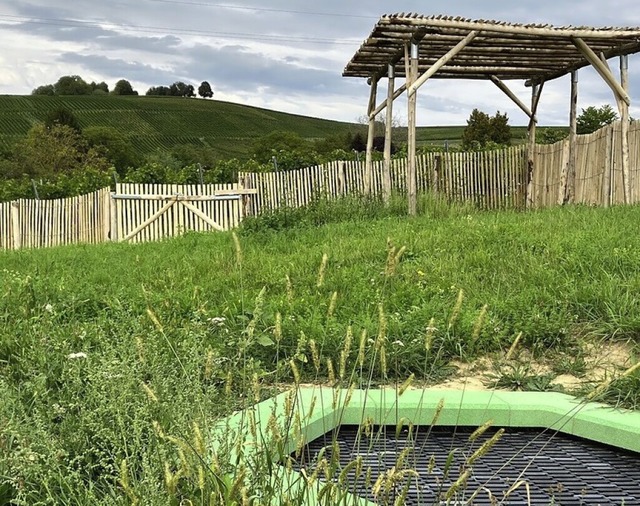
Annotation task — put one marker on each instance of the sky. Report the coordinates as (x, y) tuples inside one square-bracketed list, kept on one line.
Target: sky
[(279, 54)]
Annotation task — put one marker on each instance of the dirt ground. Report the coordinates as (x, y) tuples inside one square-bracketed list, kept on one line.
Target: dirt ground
[(600, 362)]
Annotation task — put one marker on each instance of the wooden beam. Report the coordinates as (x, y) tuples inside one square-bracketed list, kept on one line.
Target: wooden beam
[(430, 22), (202, 216), (602, 69), (412, 64), (569, 178), (150, 220), (386, 168), (512, 96), (624, 120), (536, 91), (442, 61), (370, 134), (384, 104)]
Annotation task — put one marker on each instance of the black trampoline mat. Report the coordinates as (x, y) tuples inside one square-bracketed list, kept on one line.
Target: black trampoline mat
[(559, 469)]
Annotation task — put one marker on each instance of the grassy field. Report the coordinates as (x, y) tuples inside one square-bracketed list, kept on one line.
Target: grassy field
[(163, 122), (106, 350)]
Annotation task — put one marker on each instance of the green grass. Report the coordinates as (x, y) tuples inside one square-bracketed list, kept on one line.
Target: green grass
[(199, 325)]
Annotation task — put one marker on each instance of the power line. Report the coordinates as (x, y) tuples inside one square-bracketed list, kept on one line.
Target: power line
[(176, 31), (263, 9)]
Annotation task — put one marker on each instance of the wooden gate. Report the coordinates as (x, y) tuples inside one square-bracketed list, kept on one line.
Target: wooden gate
[(141, 212)]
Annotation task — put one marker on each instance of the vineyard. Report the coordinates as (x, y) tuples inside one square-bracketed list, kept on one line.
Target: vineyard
[(163, 122)]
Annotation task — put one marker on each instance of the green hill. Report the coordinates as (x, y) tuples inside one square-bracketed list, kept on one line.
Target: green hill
[(163, 122)]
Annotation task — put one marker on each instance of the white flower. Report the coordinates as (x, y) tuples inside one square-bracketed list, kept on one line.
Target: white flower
[(218, 321), (80, 354), (48, 308)]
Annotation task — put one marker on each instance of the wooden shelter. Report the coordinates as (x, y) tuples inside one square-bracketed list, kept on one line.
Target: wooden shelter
[(418, 48)]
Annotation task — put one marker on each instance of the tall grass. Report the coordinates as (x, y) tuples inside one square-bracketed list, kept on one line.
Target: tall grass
[(114, 358)]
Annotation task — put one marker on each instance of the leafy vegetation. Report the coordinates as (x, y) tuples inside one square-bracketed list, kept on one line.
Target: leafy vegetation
[(114, 358), (593, 118), (483, 131)]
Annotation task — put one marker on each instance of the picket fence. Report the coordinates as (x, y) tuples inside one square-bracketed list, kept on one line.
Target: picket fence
[(599, 178), (490, 180)]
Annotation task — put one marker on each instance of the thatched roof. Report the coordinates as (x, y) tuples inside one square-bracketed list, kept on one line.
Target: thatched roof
[(532, 52)]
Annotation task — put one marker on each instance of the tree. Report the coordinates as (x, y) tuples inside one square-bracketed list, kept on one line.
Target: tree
[(62, 116), (500, 130), (180, 89), (46, 89), (123, 87), (482, 130), (593, 118), (99, 88), (477, 132), (358, 143), (72, 85), (113, 146), (162, 91), (550, 135), (60, 149), (204, 90)]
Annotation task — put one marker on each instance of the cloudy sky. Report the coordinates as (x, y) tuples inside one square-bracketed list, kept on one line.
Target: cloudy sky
[(279, 54)]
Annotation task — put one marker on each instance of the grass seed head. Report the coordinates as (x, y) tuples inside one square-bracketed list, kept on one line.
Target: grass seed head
[(321, 271), (456, 308)]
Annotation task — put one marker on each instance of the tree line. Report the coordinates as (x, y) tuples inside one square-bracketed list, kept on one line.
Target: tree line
[(76, 85)]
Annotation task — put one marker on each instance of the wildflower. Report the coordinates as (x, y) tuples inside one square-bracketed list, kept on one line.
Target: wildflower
[(217, 321)]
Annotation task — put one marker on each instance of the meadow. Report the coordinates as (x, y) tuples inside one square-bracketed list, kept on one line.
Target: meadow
[(115, 359)]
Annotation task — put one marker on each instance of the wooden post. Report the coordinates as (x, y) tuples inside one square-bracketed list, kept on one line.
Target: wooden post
[(608, 167), (624, 120), (15, 224), (386, 169), (371, 133), (570, 182), (536, 91), (411, 132)]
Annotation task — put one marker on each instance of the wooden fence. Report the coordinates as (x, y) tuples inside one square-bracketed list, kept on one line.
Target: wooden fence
[(491, 180), (39, 223), (599, 178), (133, 213)]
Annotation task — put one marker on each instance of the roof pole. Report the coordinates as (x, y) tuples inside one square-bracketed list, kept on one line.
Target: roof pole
[(412, 101), (386, 174), (570, 182), (536, 91), (624, 120), (368, 179)]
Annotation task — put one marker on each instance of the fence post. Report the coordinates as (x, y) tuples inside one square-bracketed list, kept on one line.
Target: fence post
[(113, 205), (15, 224), (436, 173)]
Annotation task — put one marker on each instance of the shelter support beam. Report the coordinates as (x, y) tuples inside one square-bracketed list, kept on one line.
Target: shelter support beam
[(441, 62), (568, 178), (368, 173), (411, 62), (602, 69), (623, 108), (536, 92), (386, 168), (384, 104), (512, 96)]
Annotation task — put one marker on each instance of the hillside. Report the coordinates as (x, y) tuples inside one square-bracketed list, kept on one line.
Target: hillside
[(163, 122)]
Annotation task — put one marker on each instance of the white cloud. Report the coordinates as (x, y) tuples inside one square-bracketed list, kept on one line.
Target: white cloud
[(281, 61)]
